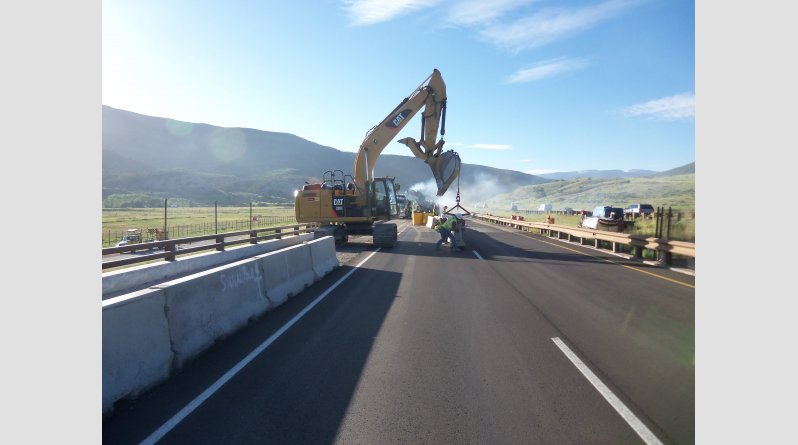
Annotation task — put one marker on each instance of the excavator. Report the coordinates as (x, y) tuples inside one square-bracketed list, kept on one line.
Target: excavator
[(360, 204)]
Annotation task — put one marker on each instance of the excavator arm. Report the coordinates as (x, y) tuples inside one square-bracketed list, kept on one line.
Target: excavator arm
[(431, 95)]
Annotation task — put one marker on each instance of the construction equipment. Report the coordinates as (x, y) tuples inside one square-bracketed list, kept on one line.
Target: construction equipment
[(346, 205)]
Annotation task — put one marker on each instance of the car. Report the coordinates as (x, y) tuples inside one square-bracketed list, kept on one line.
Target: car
[(608, 212), (639, 209)]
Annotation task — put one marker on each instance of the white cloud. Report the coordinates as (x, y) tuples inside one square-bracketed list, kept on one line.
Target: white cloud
[(370, 12), (480, 12), (551, 24), (546, 68), (680, 106), (491, 146)]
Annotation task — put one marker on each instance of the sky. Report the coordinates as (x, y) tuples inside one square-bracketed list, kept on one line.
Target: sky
[(534, 86)]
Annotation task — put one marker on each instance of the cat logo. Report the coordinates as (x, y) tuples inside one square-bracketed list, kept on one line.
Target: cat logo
[(397, 120)]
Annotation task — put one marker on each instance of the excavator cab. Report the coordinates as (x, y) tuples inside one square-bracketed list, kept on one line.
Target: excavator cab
[(385, 205)]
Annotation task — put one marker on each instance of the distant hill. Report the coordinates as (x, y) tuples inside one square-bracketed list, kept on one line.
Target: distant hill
[(683, 170), (157, 158), (676, 191), (598, 174)]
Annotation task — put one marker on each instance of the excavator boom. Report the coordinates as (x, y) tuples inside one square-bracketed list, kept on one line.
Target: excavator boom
[(431, 95)]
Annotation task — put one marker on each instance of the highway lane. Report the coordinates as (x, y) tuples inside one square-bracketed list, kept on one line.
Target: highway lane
[(425, 346)]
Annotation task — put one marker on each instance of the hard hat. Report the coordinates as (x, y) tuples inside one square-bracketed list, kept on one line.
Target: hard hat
[(458, 215)]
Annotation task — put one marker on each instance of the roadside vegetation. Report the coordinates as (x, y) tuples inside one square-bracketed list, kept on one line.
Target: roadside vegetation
[(191, 221), (682, 226)]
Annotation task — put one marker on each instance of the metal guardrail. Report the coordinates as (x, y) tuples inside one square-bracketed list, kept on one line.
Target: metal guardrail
[(664, 248), (169, 251)]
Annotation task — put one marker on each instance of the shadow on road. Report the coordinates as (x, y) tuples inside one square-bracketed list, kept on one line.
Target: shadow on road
[(296, 391)]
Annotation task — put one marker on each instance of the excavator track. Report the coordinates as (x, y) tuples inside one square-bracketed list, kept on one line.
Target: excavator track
[(385, 235)]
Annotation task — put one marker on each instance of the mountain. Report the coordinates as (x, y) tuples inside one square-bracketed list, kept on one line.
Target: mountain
[(598, 174), (195, 163), (683, 170)]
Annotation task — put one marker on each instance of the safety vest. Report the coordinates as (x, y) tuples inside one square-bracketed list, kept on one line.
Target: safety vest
[(448, 223)]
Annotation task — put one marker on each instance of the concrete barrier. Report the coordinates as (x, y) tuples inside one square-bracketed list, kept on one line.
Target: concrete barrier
[(139, 277), (137, 350), (287, 272), (210, 305), (323, 257), (149, 334)]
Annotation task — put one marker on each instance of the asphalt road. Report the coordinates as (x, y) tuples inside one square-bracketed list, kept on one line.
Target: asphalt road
[(517, 339)]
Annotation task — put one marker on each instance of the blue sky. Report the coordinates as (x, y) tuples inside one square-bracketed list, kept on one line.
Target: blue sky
[(533, 86)]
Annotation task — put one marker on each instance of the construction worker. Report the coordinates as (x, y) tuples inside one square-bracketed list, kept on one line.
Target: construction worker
[(445, 229)]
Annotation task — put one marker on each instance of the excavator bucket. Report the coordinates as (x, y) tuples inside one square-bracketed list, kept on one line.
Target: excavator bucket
[(445, 169)]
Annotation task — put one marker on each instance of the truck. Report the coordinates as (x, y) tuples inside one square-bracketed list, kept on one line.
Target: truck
[(360, 204), (131, 236), (137, 236)]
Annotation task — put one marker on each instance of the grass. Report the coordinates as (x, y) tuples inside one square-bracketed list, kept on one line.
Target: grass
[(204, 219)]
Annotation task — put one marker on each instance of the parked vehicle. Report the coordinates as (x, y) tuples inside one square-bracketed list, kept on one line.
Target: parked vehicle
[(132, 236), (604, 218), (608, 212), (639, 209)]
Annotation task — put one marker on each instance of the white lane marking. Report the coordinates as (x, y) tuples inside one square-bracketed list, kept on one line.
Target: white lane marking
[(648, 437), (194, 404), (478, 255)]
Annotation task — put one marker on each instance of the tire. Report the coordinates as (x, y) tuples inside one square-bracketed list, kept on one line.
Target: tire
[(385, 235)]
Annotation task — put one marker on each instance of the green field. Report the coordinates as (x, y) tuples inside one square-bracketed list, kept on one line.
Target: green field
[(192, 221)]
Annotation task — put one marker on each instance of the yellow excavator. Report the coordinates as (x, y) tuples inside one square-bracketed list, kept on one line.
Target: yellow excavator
[(361, 204)]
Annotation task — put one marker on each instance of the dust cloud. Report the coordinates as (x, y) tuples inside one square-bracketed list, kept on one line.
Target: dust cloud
[(475, 190)]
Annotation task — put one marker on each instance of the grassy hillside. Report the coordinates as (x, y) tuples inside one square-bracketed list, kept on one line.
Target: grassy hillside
[(148, 159), (676, 191)]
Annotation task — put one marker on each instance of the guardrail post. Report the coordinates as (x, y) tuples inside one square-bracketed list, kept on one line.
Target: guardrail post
[(638, 252), (253, 237), (172, 248), (616, 247), (277, 233), (597, 243), (219, 243)]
